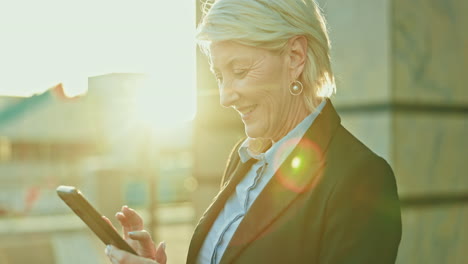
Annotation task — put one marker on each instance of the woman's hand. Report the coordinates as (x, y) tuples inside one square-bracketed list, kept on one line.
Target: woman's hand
[(118, 256), (138, 238)]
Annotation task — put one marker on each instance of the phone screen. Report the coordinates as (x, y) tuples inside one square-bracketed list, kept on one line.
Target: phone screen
[(78, 203)]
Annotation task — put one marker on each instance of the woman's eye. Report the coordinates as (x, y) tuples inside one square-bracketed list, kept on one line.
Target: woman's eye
[(240, 73)]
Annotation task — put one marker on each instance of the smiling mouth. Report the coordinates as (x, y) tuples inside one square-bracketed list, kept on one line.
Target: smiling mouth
[(247, 110)]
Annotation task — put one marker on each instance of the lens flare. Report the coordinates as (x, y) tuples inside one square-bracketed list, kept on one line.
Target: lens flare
[(296, 163), (301, 171)]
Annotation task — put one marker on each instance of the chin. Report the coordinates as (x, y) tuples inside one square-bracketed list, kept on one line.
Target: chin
[(253, 132)]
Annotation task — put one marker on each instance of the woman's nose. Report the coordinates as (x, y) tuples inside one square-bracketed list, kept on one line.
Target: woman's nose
[(227, 95)]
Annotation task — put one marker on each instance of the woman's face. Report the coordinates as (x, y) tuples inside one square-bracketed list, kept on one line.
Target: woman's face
[(255, 83)]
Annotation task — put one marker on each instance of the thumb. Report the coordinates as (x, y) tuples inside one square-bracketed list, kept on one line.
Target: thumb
[(161, 256)]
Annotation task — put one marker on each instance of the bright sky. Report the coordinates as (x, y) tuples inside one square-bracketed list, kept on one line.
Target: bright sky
[(51, 41)]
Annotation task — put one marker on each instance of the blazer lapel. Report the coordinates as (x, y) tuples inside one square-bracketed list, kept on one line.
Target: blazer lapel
[(298, 174), (208, 218)]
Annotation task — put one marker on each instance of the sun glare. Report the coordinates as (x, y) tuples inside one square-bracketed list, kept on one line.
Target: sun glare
[(162, 103), (54, 42)]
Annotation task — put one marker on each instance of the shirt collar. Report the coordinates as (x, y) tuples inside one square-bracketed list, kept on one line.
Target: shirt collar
[(293, 137)]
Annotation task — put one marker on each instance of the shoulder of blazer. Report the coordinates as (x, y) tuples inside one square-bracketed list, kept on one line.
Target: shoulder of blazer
[(232, 162)]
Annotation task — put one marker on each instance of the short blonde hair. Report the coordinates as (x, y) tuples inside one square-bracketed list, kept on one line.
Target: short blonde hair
[(269, 24)]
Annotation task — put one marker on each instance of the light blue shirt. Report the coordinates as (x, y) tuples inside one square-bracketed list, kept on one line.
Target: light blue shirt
[(249, 189)]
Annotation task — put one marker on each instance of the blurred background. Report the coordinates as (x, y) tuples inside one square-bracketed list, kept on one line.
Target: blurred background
[(137, 119)]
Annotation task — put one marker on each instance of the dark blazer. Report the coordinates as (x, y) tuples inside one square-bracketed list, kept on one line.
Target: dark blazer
[(340, 205)]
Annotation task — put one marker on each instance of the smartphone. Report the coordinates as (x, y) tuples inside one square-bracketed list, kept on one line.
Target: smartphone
[(78, 203)]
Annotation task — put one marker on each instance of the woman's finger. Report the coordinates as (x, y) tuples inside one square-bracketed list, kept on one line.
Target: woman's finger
[(143, 236), (161, 256), (118, 256), (134, 220), (146, 243), (130, 220), (124, 223)]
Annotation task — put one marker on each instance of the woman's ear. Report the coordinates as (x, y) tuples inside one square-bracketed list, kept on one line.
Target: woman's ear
[(297, 55)]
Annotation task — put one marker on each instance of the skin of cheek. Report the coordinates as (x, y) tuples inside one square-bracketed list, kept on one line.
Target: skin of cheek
[(291, 110), (282, 118), (256, 90), (264, 123), (268, 83)]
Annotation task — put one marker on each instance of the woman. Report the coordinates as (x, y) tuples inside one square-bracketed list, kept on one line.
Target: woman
[(300, 188)]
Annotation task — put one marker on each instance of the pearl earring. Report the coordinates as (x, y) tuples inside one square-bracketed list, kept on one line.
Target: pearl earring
[(296, 88)]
